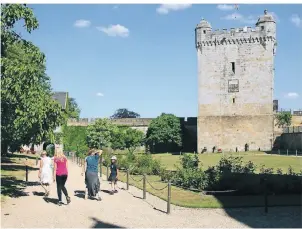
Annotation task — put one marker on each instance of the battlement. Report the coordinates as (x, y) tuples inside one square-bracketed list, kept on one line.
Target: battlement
[(133, 122), (264, 30), (234, 36)]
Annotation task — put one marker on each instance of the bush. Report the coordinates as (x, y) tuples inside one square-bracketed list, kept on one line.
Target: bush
[(146, 164), (189, 178), (232, 173), (140, 164), (189, 161)]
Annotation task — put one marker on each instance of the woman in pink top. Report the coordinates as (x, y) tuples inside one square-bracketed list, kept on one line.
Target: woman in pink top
[(60, 174)]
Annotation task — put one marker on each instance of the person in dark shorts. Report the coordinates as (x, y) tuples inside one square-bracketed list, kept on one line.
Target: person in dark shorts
[(113, 175)]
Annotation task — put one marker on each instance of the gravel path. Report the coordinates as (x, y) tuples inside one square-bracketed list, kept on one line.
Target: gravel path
[(127, 209)]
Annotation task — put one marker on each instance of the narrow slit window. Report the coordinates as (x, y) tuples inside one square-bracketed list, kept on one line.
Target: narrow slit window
[(262, 28), (233, 67), (204, 32), (233, 100)]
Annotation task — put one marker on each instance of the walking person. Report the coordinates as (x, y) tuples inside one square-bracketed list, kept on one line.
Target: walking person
[(113, 175), (45, 172), (92, 180), (61, 174)]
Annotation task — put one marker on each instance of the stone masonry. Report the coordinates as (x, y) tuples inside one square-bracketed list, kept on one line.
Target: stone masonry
[(235, 86)]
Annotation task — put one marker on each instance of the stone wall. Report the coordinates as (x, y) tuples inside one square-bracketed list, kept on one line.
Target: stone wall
[(291, 141), (235, 89)]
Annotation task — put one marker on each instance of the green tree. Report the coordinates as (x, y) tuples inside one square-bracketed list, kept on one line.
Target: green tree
[(100, 133), (283, 119), (29, 114), (73, 109), (133, 139), (165, 129), (126, 138), (118, 138), (124, 113)]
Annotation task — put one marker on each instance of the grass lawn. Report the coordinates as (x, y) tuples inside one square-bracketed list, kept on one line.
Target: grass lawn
[(259, 158), (13, 174), (192, 199)]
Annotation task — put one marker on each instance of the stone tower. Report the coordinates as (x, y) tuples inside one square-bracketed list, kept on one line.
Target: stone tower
[(236, 85)]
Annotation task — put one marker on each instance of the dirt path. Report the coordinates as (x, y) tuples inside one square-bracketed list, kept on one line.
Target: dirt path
[(127, 209)]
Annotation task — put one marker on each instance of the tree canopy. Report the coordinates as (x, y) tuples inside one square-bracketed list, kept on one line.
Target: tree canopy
[(124, 113), (73, 109), (29, 114), (127, 138), (165, 129), (99, 134), (284, 119)]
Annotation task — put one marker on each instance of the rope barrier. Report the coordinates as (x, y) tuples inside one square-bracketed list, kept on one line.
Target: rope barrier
[(156, 188), (136, 180)]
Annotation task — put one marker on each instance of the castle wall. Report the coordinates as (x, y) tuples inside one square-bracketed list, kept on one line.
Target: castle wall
[(235, 105)]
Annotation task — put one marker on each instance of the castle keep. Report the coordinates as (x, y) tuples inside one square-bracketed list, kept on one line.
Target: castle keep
[(236, 85)]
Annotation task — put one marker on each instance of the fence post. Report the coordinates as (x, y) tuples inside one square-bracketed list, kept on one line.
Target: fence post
[(101, 169), (169, 198), (127, 179), (265, 196), (296, 153), (287, 152), (36, 159), (279, 151), (144, 186), (26, 173), (107, 172)]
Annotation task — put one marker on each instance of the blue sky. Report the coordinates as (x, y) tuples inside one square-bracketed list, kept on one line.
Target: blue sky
[(146, 61)]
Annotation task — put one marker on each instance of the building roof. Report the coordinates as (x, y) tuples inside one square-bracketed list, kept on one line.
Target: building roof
[(204, 24), (61, 97), (265, 18)]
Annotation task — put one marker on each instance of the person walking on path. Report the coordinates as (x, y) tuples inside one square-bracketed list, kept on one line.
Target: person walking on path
[(92, 180), (113, 175), (45, 172), (61, 174)]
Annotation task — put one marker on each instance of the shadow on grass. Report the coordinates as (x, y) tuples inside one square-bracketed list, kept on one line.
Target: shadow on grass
[(100, 224), (12, 187), (283, 199), (14, 167)]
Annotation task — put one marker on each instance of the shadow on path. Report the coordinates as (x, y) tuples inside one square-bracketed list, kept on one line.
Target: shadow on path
[(100, 224), (50, 200), (38, 193)]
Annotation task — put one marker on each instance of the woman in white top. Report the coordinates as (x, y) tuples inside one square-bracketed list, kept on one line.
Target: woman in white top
[(45, 172)]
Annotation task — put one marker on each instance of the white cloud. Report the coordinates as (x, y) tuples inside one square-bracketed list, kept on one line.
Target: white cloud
[(99, 94), (251, 19), (115, 7), (296, 20), (239, 17), (292, 95), (82, 23), (115, 30), (166, 8), (225, 7)]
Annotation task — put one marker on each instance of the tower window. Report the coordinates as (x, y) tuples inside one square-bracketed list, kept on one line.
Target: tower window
[(233, 100), (204, 32), (233, 67), (262, 28)]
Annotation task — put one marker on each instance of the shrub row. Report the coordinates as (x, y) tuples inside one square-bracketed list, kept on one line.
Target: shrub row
[(232, 173), (136, 163)]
